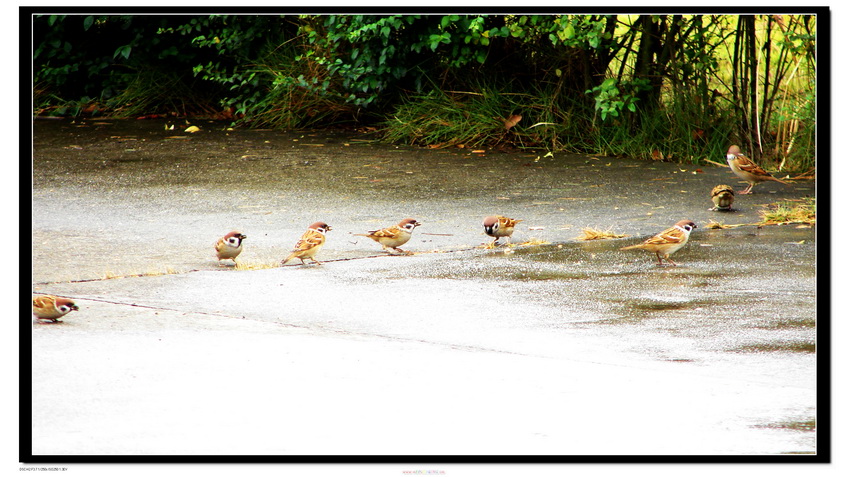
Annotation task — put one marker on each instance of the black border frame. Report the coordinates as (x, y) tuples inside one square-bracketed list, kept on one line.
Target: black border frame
[(824, 356)]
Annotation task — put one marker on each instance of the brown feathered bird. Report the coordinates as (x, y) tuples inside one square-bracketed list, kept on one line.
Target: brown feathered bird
[(722, 196), (309, 244), (498, 226), (230, 246), (747, 170), (49, 307), (668, 241), (394, 236)]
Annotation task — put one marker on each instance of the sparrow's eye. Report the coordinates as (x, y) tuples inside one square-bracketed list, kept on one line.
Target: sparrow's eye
[(64, 309)]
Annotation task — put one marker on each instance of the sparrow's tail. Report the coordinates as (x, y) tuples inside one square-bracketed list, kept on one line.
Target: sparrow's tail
[(288, 258), (778, 180), (631, 247)]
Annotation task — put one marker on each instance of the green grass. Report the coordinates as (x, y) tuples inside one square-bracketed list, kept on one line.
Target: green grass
[(790, 212), (152, 90), (549, 121)]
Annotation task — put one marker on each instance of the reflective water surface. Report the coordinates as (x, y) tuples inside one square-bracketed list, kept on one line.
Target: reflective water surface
[(553, 347)]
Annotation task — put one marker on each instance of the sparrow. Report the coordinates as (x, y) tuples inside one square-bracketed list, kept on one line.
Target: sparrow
[(48, 307), (230, 246), (668, 241), (722, 197), (309, 244), (498, 226), (747, 170), (394, 236)]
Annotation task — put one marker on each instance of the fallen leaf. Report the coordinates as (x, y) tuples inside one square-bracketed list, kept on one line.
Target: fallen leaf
[(192, 129)]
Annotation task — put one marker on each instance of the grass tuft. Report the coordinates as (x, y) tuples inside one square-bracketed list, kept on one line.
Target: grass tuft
[(589, 233), (242, 265), (790, 212)]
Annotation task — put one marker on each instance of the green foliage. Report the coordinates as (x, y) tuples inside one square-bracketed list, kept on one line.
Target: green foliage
[(76, 56), (440, 119), (685, 86), (550, 121), (613, 98)]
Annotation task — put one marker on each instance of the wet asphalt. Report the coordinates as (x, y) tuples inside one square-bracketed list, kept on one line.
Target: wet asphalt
[(554, 346)]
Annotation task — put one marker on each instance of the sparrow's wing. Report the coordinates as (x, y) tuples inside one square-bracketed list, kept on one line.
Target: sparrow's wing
[(388, 232), (668, 236), (507, 222), (748, 166), (41, 302), (310, 239)]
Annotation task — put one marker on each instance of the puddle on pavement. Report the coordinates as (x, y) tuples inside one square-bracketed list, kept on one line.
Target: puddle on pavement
[(791, 347), (742, 300)]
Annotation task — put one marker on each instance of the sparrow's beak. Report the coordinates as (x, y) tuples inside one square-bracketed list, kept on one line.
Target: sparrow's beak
[(329, 228), (74, 307)]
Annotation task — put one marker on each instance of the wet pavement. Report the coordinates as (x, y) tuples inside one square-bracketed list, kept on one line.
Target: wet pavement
[(554, 347)]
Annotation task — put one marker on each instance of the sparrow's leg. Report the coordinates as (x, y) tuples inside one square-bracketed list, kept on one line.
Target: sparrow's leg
[(670, 260), (748, 190)]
